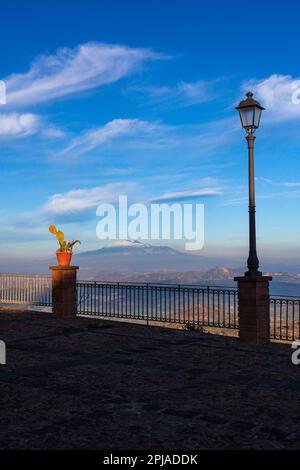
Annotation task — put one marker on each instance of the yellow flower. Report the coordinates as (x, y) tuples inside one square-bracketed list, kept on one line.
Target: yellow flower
[(60, 236), (52, 229)]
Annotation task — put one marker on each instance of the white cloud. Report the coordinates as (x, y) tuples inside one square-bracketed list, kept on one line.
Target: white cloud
[(71, 71), (287, 184), (53, 132), (183, 94), (74, 206), (277, 94), (140, 135), (262, 179), (291, 184), (180, 195), (91, 139), (18, 125), (244, 199), (78, 201), (197, 92)]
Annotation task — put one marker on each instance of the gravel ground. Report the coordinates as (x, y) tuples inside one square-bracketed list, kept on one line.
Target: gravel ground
[(95, 384)]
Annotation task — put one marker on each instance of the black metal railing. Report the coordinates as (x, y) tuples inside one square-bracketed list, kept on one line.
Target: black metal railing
[(284, 318), (25, 289), (165, 303)]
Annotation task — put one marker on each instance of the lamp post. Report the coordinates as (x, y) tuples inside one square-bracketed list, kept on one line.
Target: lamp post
[(253, 287), (250, 113)]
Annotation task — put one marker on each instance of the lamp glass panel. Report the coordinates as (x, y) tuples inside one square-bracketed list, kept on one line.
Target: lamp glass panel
[(257, 114), (247, 117)]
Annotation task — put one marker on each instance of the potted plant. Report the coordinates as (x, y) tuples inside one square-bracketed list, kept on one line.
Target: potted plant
[(65, 250)]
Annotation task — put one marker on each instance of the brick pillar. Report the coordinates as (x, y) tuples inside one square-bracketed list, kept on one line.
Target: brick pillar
[(64, 298), (254, 310)]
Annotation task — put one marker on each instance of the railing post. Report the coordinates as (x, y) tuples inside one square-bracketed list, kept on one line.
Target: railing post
[(64, 294), (254, 308), (147, 303)]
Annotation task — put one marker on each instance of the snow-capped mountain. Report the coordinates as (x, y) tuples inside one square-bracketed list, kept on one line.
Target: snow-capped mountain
[(130, 246), (128, 243), (136, 257)]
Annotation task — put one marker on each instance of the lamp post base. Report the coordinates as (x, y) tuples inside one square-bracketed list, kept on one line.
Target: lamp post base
[(254, 308)]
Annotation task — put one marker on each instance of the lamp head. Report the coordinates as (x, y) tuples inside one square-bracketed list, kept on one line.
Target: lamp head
[(250, 113)]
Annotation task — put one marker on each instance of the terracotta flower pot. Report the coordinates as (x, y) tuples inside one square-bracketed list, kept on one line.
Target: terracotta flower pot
[(64, 258)]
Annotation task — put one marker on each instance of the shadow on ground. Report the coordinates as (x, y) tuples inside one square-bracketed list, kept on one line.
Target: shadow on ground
[(93, 384)]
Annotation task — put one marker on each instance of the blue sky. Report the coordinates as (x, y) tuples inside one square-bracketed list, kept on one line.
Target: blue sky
[(113, 97)]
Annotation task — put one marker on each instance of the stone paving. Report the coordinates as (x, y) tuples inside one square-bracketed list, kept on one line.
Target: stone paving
[(94, 384)]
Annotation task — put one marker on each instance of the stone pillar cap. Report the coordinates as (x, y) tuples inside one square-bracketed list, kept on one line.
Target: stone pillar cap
[(63, 268), (253, 278)]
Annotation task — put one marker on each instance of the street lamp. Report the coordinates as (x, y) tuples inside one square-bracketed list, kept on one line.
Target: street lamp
[(250, 113)]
